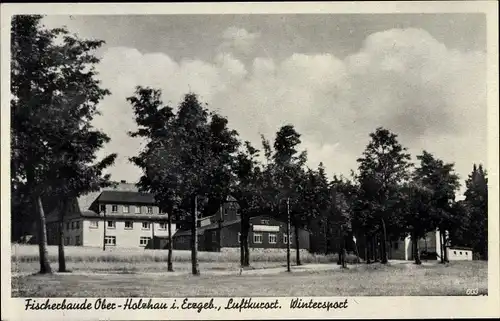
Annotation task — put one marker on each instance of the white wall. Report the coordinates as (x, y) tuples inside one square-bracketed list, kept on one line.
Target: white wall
[(459, 255), (128, 238)]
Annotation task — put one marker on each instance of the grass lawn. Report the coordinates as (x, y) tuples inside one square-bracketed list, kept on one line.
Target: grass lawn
[(358, 280)]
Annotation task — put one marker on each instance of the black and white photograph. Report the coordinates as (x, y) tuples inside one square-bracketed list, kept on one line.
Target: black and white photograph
[(315, 156)]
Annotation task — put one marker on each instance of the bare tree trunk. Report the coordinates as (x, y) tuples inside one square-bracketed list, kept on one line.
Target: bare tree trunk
[(326, 237), (288, 268), (416, 250), (442, 250), (170, 267), (42, 237), (60, 247), (244, 250), (297, 246), (384, 258), (367, 257), (194, 239), (445, 253)]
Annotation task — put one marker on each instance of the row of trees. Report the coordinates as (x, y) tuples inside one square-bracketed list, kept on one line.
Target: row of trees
[(193, 161)]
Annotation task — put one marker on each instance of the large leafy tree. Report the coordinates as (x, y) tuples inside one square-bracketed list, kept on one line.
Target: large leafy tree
[(382, 168), (248, 191), (472, 214), (160, 167), (289, 178), (441, 179), (188, 157), (55, 95), (416, 209)]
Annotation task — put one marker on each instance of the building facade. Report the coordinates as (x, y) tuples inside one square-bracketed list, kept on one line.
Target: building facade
[(114, 217), (222, 231)]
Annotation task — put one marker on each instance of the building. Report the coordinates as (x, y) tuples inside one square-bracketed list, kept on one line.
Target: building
[(222, 232), (403, 249), (119, 216)]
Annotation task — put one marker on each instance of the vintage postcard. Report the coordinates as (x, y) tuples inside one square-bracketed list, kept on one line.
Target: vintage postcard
[(250, 160)]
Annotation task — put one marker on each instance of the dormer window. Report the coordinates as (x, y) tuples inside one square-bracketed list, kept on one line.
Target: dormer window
[(137, 210), (114, 209), (102, 208), (125, 209)]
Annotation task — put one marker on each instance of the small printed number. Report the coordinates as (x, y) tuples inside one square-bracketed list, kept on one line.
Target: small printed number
[(472, 292)]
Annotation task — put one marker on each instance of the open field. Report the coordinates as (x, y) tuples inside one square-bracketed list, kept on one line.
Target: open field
[(399, 279), (25, 259)]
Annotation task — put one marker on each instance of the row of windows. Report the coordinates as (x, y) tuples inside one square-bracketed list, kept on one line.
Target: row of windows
[(272, 238), (111, 240), (129, 225), (75, 225), (126, 209), (68, 240)]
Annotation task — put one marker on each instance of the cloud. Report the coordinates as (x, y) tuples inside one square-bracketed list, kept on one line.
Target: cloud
[(404, 79), (238, 40)]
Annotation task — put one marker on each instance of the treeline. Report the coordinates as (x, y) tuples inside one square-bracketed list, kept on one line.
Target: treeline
[(193, 161)]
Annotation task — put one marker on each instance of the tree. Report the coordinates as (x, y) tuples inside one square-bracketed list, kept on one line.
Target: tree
[(416, 209), (249, 193), (54, 99), (160, 167), (471, 214), (382, 168), (288, 176), (187, 159), (440, 178)]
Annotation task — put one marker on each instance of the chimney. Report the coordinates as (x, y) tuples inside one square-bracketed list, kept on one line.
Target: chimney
[(123, 181)]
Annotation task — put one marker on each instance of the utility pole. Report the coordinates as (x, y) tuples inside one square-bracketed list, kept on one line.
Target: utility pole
[(194, 238), (104, 234), (288, 234)]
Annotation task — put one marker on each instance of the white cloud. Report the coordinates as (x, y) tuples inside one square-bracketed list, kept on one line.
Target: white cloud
[(433, 97)]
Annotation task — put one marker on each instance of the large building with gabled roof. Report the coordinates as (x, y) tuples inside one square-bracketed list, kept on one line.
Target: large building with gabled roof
[(117, 216)]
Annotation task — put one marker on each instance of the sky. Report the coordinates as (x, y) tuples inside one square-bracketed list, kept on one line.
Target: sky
[(335, 77)]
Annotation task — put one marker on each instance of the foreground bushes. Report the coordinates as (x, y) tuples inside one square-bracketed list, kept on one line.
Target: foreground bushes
[(29, 253)]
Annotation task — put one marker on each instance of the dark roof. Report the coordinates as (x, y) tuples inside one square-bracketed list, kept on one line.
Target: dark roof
[(128, 197), (464, 248), (202, 229), (137, 217)]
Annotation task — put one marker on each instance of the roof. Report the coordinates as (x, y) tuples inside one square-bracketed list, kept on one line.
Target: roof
[(202, 229), (464, 248), (138, 217), (126, 197)]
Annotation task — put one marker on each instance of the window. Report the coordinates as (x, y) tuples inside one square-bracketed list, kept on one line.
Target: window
[(129, 225), (460, 253), (94, 224), (257, 238), (264, 222), (68, 226), (454, 252), (137, 210), (272, 238), (285, 239), (466, 253), (239, 237), (396, 245), (102, 208), (163, 226), (111, 224), (145, 225), (110, 240), (144, 240), (67, 241), (77, 240), (125, 209), (72, 225), (77, 224), (150, 210), (114, 209)]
